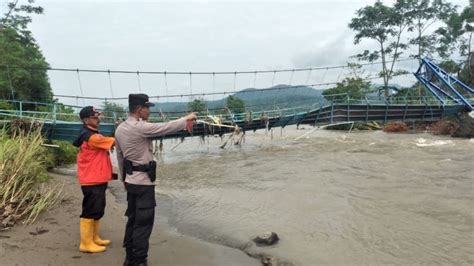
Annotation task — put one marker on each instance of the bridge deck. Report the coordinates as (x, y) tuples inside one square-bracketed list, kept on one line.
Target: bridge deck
[(328, 114)]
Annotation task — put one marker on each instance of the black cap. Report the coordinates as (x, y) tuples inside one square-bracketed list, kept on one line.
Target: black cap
[(88, 111), (139, 99)]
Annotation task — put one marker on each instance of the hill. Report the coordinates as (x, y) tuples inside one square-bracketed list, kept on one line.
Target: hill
[(280, 96)]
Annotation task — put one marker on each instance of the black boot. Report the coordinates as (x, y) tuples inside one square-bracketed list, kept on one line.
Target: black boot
[(143, 263), (128, 257)]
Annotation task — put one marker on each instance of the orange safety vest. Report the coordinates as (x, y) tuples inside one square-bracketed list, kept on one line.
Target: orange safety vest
[(93, 164)]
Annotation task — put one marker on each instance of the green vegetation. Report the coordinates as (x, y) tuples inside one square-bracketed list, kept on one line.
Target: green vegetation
[(410, 24), (6, 106), (279, 96), (52, 156), (23, 74), (113, 110), (457, 36), (355, 86), (63, 113), (235, 104), (197, 105), (66, 153), (23, 167), (385, 25)]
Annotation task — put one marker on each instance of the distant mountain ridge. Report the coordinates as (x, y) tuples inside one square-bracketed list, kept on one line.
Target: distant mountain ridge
[(279, 96)]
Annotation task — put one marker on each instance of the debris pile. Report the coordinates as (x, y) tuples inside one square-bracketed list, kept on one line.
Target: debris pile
[(395, 127), (444, 127)]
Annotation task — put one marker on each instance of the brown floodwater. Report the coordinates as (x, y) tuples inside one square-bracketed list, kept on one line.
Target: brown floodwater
[(334, 198)]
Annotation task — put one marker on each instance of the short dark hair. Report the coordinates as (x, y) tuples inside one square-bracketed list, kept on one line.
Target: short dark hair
[(88, 111), (134, 108)]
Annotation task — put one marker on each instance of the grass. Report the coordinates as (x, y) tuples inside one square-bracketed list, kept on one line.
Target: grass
[(65, 154), (23, 168)]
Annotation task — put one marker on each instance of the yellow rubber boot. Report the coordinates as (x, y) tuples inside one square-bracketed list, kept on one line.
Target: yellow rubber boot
[(87, 237), (97, 239)]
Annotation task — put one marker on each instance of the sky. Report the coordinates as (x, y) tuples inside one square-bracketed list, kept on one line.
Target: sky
[(195, 36)]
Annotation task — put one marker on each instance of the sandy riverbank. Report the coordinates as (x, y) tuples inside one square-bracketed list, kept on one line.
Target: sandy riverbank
[(54, 239)]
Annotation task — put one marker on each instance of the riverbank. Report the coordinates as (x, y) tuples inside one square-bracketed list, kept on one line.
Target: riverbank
[(54, 238)]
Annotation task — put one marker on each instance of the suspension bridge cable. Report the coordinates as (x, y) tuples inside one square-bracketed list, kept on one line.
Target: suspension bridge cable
[(338, 76), (110, 85), (80, 86), (176, 112), (291, 77), (235, 79), (255, 80), (139, 83), (215, 93), (213, 83), (191, 82), (166, 86), (309, 75), (190, 95), (197, 72), (273, 79), (11, 84), (324, 75)]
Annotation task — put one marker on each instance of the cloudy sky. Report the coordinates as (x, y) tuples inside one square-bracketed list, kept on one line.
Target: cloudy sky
[(194, 36)]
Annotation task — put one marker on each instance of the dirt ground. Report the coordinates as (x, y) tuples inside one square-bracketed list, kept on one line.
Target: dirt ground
[(54, 239)]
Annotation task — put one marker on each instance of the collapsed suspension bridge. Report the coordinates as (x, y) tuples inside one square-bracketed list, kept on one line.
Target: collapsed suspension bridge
[(447, 96)]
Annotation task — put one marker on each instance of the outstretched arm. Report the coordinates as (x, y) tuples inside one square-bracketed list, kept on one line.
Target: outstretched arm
[(150, 130), (100, 142)]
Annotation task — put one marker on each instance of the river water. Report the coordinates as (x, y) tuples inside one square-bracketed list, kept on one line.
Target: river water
[(334, 198)]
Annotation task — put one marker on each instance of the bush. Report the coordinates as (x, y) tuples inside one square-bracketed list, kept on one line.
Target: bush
[(23, 168), (65, 154), (52, 156), (6, 106)]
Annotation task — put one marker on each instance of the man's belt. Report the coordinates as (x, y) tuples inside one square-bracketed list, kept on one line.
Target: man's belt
[(140, 168), (149, 168)]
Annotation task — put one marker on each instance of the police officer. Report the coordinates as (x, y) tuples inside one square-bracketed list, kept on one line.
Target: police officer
[(135, 157)]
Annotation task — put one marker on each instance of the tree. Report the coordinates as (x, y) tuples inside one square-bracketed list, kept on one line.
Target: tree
[(23, 68), (235, 104), (385, 25), (111, 109), (467, 17), (18, 17), (62, 112), (355, 86), (197, 105), (421, 15), (456, 35)]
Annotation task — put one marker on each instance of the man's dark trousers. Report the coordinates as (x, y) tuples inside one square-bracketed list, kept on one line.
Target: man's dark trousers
[(141, 215), (93, 203)]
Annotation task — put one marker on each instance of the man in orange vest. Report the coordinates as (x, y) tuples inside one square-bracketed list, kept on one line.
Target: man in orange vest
[(94, 170)]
